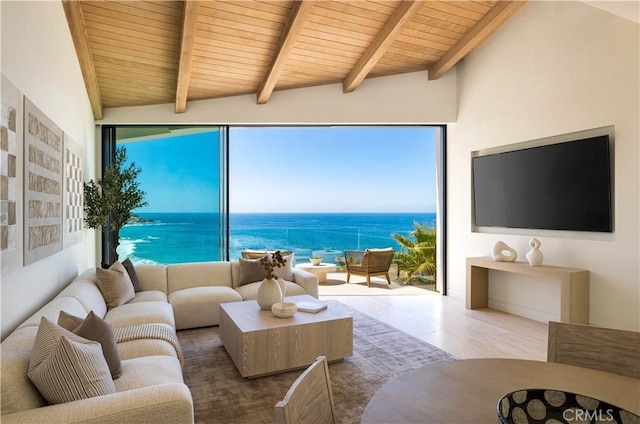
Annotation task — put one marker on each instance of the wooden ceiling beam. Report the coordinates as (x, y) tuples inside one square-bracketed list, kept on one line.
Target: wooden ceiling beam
[(498, 14), (189, 26), (299, 13), (75, 19), (380, 44)]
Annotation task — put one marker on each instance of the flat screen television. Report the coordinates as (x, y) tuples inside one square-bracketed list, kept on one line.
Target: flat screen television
[(563, 186)]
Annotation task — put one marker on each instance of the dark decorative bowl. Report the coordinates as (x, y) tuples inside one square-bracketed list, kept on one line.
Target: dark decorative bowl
[(543, 406)]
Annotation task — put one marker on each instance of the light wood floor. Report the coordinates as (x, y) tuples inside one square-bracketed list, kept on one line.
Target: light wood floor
[(444, 322)]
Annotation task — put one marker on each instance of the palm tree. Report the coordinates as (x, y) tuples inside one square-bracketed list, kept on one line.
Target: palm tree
[(418, 256)]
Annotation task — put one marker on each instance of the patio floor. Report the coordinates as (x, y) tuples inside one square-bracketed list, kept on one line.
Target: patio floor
[(336, 285)]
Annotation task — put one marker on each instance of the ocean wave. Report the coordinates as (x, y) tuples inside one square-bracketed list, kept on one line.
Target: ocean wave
[(140, 261)]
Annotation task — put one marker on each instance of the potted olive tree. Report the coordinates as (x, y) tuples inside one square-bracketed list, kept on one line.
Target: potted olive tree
[(108, 202)]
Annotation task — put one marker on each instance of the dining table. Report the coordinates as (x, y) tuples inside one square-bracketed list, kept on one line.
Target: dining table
[(468, 390)]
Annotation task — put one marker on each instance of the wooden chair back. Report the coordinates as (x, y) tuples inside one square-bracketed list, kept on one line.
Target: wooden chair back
[(378, 260), (605, 349), (309, 399)]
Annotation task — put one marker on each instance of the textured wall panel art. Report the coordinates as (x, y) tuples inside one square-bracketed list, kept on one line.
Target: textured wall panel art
[(10, 177), (43, 168), (73, 225)]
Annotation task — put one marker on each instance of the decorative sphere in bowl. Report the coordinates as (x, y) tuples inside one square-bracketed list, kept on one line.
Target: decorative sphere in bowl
[(315, 261), (284, 309)]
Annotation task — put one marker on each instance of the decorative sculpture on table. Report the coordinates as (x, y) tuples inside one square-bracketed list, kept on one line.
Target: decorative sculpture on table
[(503, 253), (534, 256)]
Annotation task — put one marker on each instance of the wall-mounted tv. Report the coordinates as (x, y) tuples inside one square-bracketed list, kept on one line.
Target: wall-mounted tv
[(562, 186)]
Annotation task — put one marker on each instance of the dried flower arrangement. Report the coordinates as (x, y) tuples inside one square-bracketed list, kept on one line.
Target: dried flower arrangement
[(270, 262)]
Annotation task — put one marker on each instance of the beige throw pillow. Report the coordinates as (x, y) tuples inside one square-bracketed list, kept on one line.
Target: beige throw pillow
[(66, 367), (285, 272), (95, 328), (115, 285)]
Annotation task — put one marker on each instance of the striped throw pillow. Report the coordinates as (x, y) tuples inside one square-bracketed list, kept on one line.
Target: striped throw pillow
[(66, 367)]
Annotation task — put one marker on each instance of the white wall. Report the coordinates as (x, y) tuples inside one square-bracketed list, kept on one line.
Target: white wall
[(402, 99), (554, 68), (39, 58)]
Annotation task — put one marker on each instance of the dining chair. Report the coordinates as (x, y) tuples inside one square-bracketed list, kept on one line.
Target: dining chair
[(605, 349), (309, 399)]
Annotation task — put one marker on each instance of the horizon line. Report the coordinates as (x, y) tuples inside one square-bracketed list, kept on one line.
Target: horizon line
[(291, 212)]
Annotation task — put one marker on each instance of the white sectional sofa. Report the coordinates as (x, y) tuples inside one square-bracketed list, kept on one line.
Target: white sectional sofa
[(151, 388)]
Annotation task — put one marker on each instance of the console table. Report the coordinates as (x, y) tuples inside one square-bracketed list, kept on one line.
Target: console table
[(574, 285)]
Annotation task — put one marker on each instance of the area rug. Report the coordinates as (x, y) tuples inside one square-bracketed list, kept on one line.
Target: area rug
[(221, 395)]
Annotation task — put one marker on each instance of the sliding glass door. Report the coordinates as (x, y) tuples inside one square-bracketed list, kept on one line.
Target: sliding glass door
[(318, 191), (182, 175)]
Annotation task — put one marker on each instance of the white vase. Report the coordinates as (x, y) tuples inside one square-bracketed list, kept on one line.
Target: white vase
[(269, 293), (534, 256)]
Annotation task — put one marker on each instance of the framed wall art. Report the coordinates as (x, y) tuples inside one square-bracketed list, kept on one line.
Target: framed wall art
[(43, 187), (10, 177), (73, 225)]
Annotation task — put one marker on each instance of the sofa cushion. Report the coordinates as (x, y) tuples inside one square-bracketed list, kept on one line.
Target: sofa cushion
[(115, 285), (65, 367), (95, 328), (133, 275), (85, 289), (150, 296), (18, 392), (251, 270), (250, 291), (198, 274), (52, 309), (149, 371), (152, 277), (199, 306), (141, 313)]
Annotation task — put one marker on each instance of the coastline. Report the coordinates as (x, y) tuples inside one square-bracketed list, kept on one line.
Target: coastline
[(193, 236)]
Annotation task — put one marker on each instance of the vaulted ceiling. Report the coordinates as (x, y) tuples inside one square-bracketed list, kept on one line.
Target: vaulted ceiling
[(136, 53)]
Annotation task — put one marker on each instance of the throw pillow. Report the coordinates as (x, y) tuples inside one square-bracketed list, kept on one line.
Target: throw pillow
[(251, 271), (68, 321), (66, 367), (115, 285), (131, 270), (95, 328), (285, 272)]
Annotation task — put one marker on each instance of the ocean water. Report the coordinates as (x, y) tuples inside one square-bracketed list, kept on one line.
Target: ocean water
[(194, 237)]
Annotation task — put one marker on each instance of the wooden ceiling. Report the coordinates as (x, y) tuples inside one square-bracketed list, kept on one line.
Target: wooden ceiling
[(136, 53)]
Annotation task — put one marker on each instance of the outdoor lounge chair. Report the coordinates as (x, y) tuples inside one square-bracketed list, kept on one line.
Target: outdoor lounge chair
[(369, 263)]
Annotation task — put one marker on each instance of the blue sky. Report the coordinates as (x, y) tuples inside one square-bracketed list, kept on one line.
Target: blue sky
[(293, 169)]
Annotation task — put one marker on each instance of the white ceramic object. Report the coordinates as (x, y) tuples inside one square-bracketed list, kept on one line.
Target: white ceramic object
[(503, 253), (534, 256), (284, 309), (283, 288), (269, 293), (315, 261)]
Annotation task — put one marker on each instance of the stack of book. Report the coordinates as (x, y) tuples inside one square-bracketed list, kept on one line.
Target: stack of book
[(311, 306)]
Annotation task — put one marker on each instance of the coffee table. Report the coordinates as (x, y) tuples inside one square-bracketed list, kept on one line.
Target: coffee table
[(319, 271), (259, 343)]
